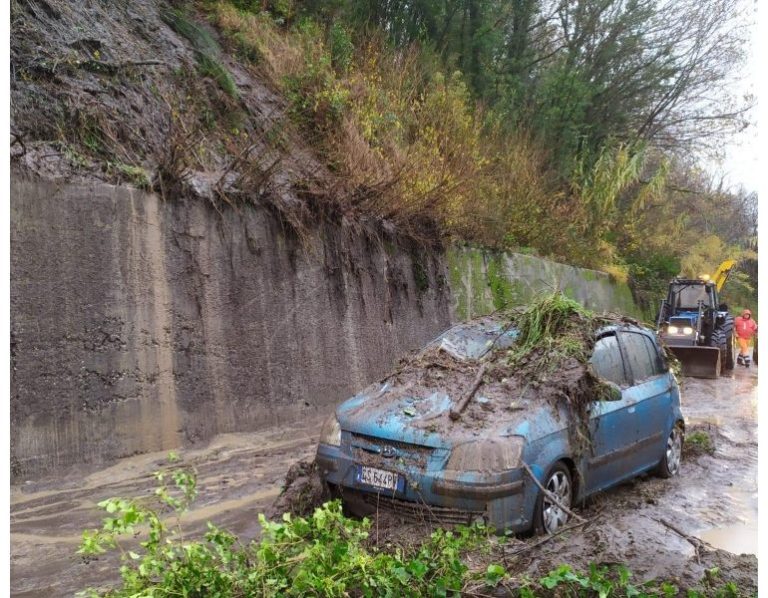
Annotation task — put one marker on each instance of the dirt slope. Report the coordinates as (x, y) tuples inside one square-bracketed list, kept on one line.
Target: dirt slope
[(112, 91)]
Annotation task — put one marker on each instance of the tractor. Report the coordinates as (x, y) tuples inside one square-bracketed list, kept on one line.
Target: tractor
[(696, 327)]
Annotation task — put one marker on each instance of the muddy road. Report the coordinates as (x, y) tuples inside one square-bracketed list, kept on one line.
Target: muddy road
[(673, 529)]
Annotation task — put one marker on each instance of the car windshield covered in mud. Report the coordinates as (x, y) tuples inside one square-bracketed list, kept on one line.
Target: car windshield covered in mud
[(494, 411)]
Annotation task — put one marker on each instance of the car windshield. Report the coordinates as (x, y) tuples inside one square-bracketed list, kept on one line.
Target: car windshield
[(473, 341)]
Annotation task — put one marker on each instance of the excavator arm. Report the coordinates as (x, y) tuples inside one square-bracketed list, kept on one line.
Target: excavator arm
[(722, 272)]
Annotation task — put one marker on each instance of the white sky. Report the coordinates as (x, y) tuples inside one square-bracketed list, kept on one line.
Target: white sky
[(740, 165)]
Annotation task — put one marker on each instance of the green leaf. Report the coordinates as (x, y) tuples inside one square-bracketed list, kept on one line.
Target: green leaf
[(401, 575), (417, 568), (493, 574)]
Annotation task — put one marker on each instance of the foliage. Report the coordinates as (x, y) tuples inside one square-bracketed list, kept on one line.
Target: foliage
[(135, 175), (447, 125), (325, 554), (206, 49), (559, 129), (699, 441), (547, 320)]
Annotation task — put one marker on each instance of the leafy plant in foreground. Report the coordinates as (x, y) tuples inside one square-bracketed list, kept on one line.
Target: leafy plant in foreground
[(325, 554)]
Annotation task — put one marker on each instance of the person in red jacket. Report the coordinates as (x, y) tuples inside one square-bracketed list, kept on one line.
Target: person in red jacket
[(745, 328)]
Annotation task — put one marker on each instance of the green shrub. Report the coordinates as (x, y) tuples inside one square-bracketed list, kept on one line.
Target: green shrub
[(342, 48), (207, 50), (698, 442)]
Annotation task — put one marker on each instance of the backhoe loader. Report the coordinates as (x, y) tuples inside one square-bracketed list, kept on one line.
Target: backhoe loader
[(696, 327)]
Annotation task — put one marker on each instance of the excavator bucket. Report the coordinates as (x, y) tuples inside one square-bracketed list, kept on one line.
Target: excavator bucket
[(698, 362)]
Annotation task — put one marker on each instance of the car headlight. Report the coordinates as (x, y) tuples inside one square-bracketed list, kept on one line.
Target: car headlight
[(687, 330), (672, 329), (487, 455), (331, 431)]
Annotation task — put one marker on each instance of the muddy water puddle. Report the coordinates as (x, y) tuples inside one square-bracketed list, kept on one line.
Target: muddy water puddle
[(239, 476), (738, 539), (732, 412)]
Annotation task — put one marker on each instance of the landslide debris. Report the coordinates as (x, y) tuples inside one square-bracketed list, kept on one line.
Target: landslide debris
[(548, 362), (303, 491)]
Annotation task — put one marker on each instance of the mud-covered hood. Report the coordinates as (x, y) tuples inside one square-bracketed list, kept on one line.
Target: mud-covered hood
[(381, 411)]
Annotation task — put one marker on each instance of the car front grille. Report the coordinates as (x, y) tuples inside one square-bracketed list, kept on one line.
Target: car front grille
[(369, 450), (413, 511)]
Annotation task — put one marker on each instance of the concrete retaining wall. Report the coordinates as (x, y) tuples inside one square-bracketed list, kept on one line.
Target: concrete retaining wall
[(141, 325), (484, 281)]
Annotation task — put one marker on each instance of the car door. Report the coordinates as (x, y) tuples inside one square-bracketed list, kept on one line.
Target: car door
[(651, 391), (613, 426)]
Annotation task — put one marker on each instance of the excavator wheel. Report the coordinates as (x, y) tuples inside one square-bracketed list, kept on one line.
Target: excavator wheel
[(722, 338), (754, 352)]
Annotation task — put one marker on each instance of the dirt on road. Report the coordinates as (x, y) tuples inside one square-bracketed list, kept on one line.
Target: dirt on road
[(666, 529)]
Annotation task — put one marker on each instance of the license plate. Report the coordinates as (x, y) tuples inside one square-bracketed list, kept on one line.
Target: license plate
[(378, 478)]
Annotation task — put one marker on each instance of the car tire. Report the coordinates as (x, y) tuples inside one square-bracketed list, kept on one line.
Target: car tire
[(548, 517), (669, 465)]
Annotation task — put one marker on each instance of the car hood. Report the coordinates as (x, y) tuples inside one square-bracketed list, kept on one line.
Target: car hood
[(389, 411)]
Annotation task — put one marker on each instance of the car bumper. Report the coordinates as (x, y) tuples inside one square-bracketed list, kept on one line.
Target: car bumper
[(504, 500)]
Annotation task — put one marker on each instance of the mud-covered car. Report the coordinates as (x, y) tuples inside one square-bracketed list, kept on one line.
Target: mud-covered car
[(404, 445)]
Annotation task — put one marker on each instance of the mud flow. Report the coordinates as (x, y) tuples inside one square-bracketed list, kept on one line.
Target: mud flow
[(672, 529)]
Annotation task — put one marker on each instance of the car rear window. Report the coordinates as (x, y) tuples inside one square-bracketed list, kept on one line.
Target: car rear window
[(607, 362), (643, 358)]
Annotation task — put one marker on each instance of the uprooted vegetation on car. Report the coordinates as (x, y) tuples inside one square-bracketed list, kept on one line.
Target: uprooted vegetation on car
[(548, 362)]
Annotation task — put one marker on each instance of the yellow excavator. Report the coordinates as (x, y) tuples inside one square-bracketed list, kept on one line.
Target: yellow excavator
[(696, 327)]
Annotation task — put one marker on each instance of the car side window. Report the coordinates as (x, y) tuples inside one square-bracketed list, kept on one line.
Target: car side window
[(607, 361), (656, 359), (643, 358)]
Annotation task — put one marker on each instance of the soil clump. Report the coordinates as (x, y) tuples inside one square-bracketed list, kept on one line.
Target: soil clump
[(303, 491)]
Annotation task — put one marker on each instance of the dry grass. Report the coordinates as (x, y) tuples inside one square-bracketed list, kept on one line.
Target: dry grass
[(259, 40), (408, 144)]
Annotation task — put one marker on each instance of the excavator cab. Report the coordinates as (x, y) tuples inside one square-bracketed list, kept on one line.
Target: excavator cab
[(696, 327)]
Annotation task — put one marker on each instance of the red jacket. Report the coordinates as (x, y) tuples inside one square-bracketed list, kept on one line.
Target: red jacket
[(745, 327)]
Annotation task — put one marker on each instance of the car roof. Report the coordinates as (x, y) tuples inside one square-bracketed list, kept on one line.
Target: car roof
[(494, 321), (624, 326)]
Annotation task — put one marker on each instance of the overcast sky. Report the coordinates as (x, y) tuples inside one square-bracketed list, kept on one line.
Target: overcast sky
[(740, 165)]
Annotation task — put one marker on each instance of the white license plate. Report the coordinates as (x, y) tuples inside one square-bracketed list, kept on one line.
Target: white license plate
[(378, 478)]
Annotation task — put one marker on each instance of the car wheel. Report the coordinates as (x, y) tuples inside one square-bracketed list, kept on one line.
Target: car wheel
[(670, 462), (549, 517)]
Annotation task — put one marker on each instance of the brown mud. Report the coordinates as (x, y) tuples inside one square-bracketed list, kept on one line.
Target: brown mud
[(554, 371), (664, 529)]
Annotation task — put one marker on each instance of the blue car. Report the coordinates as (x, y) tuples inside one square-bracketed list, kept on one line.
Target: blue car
[(395, 445)]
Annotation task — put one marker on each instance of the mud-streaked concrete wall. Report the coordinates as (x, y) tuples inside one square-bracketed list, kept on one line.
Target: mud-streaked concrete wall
[(141, 325), (484, 281)]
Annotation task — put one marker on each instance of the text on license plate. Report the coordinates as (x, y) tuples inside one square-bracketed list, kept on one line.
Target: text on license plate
[(378, 478)]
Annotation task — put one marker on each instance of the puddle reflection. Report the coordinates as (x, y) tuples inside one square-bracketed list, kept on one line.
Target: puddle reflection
[(738, 539)]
